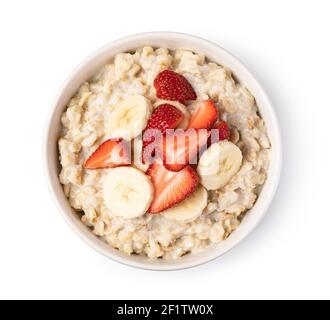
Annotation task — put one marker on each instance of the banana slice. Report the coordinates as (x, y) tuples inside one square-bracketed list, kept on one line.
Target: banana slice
[(127, 192), (129, 118), (190, 208), (219, 164), (185, 122)]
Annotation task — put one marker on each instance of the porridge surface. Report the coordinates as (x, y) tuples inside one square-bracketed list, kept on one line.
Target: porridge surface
[(83, 130)]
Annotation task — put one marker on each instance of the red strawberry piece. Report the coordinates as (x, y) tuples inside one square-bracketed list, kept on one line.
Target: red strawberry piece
[(181, 148), (171, 187), (110, 154), (164, 117), (170, 85), (220, 131), (204, 115)]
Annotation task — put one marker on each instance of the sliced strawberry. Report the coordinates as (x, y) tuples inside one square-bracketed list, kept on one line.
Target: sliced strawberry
[(110, 154), (204, 116), (181, 148), (220, 131), (170, 85), (164, 117), (171, 187)]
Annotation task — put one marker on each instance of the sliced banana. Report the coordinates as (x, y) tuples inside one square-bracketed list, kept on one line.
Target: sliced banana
[(218, 164), (190, 208), (186, 114), (128, 118), (127, 192)]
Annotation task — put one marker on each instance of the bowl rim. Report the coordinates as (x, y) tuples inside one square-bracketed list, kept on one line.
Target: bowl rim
[(277, 168)]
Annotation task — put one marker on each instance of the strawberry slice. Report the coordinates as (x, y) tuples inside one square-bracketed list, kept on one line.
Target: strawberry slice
[(110, 154), (220, 131), (170, 187), (164, 117), (181, 148), (170, 85), (204, 116)]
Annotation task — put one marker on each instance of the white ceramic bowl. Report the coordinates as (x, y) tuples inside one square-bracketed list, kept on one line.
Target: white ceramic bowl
[(170, 40)]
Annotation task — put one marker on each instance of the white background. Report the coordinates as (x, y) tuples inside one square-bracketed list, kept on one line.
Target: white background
[(284, 43)]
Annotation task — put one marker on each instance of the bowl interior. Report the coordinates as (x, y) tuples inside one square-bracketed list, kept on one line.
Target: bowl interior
[(172, 41)]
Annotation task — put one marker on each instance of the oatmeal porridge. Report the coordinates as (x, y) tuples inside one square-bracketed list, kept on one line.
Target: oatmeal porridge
[(163, 202)]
